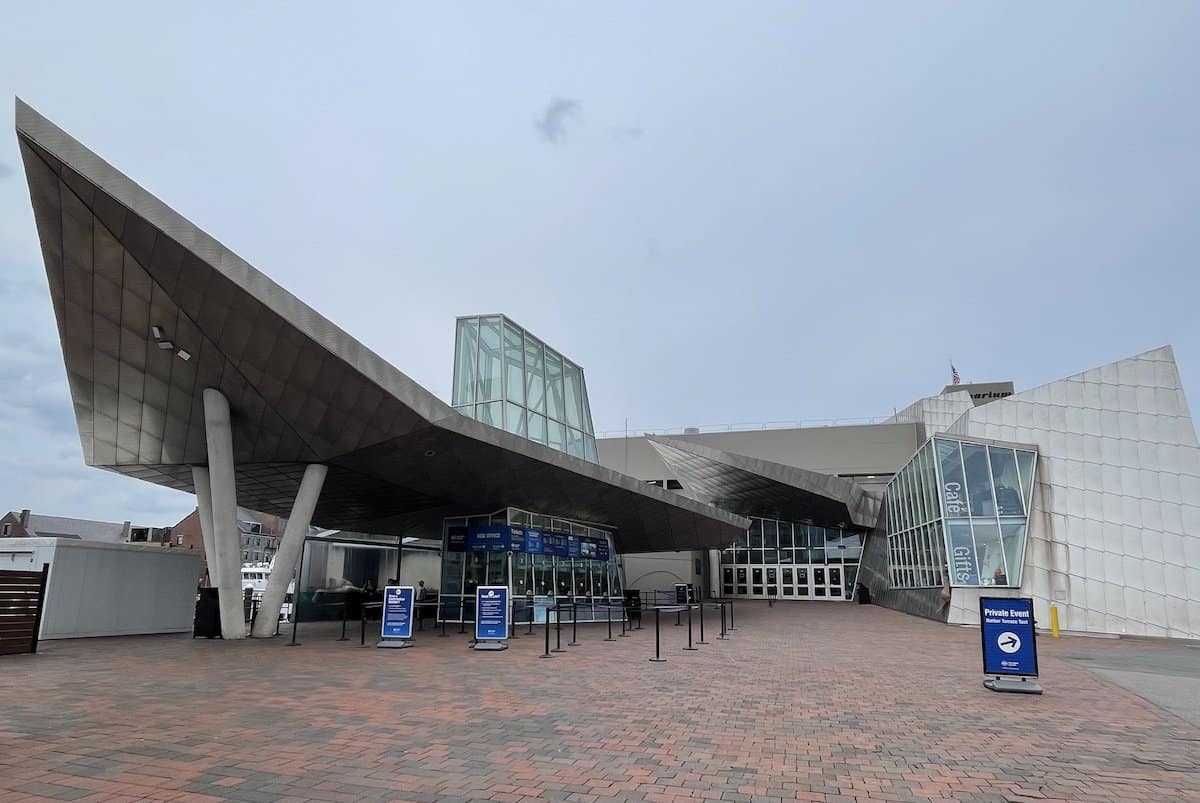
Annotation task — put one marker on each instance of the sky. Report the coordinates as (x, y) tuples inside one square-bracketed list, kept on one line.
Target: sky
[(727, 213)]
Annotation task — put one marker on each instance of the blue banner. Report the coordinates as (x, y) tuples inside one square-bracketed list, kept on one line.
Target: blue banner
[(491, 613), (516, 539), (488, 538), (533, 541), (1009, 640), (397, 612), (555, 544)]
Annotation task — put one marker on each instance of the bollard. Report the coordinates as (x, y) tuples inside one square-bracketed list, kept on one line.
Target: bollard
[(701, 641), (608, 615), (1055, 632), (574, 642), (722, 636), (557, 629), (547, 654), (343, 638), (657, 659), (689, 646)]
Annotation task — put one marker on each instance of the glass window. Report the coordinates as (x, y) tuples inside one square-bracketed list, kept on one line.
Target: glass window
[(554, 386), (770, 534), (574, 392), (514, 365), (1025, 461), (1006, 481), (466, 344), (756, 556), (771, 556), (574, 442), (535, 375), (954, 494), (589, 449), (990, 552), (587, 409), (756, 533), (964, 570), (514, 419), (490, 365), (556, 436), (785, 534), (979, 479), (1012, 533), (490, 413), (537, 428), (743, 556)]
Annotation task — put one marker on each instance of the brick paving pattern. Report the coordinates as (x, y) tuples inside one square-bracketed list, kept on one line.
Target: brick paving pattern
[(804, 702)]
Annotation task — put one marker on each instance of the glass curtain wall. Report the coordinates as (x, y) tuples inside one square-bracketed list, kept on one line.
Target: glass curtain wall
[(789, 560), (541, 580), (506, 377), (957, 514)]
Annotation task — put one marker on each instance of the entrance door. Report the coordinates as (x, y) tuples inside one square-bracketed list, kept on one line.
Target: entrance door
[(742, 588), (727, 581), (772, 582), (756, 588), (835, 582), (820, 585), (803, 589), (788, 588)]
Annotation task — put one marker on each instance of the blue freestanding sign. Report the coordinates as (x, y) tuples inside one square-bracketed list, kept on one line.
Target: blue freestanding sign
[(396, 624), (491, 617), (1009, 643)]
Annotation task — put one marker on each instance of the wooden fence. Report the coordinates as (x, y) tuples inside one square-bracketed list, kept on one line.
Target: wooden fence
[(22, 595)]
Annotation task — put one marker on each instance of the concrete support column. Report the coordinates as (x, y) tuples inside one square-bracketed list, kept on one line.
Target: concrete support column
[(288, 552), (204, 507), (227, 541)]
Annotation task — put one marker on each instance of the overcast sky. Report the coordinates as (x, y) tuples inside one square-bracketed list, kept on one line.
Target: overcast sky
[(727, 213)]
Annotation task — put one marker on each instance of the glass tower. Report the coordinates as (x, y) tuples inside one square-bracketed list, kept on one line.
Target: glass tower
[(506, 377)]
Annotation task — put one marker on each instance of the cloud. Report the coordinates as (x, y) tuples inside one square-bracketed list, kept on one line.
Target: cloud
[(5, 170), (553, 123)]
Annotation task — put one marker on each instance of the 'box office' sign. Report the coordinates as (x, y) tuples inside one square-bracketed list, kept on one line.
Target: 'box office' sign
[(511, 538)]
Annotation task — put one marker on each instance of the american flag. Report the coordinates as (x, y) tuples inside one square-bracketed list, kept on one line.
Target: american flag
[(954, 377)]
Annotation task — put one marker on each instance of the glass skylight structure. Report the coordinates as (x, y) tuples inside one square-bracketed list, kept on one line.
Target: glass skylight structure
[(506, 377), (957, 515)]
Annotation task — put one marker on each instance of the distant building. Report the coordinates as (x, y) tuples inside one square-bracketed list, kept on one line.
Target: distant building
[(28, 524), (259, 534)]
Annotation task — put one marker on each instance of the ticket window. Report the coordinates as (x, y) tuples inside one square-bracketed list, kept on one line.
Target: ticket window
[(543, 575), (520, 581)]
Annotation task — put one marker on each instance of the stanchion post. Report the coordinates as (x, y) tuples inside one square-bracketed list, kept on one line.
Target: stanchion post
[(343, 638), (462, 615), (701, 641), (296, 595), (657, 659), (731, 627), (689, 646), (442, 615), (547, 654), (557, 629), (722, 636), (529, 606), (608, 616), (574, 642), (624, 618)]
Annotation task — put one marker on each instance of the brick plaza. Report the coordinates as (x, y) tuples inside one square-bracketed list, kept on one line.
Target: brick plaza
[(804, 701)]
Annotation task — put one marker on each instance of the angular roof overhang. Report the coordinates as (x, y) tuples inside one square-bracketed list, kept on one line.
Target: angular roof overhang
[(128, 275), (752, 487)]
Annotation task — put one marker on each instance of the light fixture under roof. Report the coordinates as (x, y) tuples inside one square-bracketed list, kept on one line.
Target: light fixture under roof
[(166, 345), (183, 354), (157, 332)]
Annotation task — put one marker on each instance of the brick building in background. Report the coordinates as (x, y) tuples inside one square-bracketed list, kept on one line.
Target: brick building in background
[(260, 537)]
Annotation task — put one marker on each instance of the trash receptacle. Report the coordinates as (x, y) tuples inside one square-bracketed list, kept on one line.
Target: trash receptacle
[(207, 623)]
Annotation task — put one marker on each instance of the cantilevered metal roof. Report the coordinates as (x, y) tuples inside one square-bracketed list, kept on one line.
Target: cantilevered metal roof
[(151, 311), (754, 487)]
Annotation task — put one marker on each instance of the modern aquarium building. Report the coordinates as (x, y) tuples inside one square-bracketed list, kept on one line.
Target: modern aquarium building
[(189, 368)]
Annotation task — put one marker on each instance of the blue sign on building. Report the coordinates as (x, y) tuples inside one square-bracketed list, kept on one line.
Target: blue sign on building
[(488, 538), (456, 539), (491, 613), (1009, 640), (516, 538), (397, 612), (533, 541)]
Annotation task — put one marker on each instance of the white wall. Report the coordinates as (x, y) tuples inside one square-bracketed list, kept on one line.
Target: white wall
[(420, 564), (1114, 533), (101, 589)]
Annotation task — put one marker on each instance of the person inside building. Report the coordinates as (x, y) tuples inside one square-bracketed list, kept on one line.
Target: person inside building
[(999, 578)]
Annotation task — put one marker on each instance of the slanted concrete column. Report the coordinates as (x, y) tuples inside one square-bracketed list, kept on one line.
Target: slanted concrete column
[(227, 541), (204, 508), (288, 552)]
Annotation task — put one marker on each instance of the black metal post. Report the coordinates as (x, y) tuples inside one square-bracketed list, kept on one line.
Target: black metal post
[(557, 628), (722, 636), (678, 620), (529, 606), (731, 627), (296, 596), (624, 618), (547, 654), (689, 646), (574, 642), (701, 641), (343, 638), (462, 615), (657, 659), (441, 612), (362, 636), (608, 616)]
